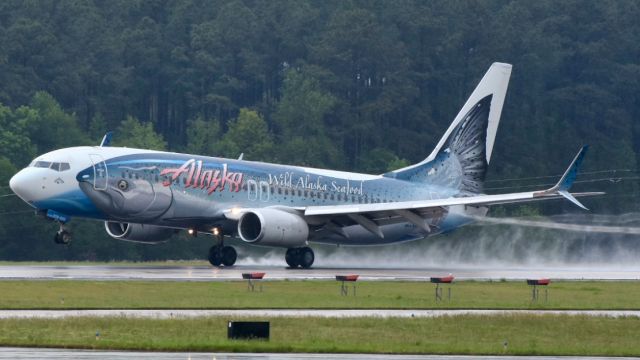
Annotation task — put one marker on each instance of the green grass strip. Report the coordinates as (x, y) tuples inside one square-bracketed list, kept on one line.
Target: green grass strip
[(65, 294), (525, 335)]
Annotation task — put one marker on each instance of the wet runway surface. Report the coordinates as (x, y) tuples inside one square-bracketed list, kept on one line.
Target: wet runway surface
[(381, 313), (206, 273), (28, 353)]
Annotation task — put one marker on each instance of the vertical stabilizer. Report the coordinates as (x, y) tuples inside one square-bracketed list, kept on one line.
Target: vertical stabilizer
[(461, 157)]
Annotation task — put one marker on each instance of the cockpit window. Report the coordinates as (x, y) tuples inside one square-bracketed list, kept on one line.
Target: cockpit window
[(57, 166), (42, 164), (60, 166)]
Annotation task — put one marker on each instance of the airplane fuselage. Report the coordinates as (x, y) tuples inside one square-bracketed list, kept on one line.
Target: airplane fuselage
[(183, 191)]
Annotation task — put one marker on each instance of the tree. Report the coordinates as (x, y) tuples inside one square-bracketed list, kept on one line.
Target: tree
[(14, 138), (300, 116), (248, 134), (133, 133), (203, 137), (49, 126)]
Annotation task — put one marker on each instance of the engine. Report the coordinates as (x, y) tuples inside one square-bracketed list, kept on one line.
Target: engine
[(148, 234), (272, 227)]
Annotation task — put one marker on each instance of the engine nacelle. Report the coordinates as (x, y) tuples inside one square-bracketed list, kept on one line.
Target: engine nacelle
[(148, 234), (272, 227)]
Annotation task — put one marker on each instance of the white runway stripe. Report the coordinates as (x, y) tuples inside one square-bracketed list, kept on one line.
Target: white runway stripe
[(380, 313)]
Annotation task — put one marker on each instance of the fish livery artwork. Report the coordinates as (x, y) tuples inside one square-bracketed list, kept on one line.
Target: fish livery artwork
[(199, 177)]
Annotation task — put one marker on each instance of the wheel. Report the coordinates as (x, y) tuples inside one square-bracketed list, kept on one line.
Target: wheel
[(291, 257), (229, 256), (306, 257), (62, 237), (66, 237), (215, 255)]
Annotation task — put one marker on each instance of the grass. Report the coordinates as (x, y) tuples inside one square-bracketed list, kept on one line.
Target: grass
[(75, 294), (525, 335)]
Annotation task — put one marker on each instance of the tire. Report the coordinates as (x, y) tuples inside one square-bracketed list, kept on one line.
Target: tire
[(66, 237), (306, 257), (229, 256), (292, 258), (215, 256), (62, 237)]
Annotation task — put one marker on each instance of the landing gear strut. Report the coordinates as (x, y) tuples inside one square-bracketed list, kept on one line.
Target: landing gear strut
[(220, 254), (302, 257), (63, 236)]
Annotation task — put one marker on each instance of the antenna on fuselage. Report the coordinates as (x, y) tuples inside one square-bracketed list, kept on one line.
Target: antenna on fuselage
[(241, 156), (106, 139)]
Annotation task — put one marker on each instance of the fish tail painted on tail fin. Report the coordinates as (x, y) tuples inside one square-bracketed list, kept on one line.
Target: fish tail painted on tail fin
[(461, 157)]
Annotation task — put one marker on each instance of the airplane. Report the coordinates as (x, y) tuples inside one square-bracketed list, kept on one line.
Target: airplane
[(146, 196)]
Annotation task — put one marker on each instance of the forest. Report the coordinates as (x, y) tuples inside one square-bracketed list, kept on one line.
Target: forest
[(354, 85)]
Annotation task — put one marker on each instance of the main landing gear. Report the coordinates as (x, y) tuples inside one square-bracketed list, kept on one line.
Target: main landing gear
[(302, 257), (63, 236), (220, 254)]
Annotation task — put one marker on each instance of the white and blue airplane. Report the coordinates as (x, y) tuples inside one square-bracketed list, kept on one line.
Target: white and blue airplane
[(146, 196)]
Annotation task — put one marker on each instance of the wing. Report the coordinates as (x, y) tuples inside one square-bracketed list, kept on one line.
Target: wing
[(426, 214), (420, 212)]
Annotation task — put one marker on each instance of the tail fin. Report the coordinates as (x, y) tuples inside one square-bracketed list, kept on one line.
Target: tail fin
[(461, 157)]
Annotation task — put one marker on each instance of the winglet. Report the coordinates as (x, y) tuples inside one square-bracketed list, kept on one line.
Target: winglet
[(106, 140), (572, 171), (569, 177)]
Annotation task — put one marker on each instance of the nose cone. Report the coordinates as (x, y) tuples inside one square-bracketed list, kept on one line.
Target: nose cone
[(25, 184)]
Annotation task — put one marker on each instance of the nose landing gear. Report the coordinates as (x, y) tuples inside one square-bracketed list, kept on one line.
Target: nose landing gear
[(63, 236)]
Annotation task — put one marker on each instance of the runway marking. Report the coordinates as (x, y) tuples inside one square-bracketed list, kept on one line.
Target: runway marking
[(39, 353), (379, 313)]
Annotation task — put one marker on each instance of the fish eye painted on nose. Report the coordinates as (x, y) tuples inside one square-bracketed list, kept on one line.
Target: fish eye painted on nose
[(123, 185)]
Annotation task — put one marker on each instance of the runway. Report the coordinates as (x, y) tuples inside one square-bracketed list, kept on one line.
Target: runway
[(31, 353), (270, 313), (207, 273)]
